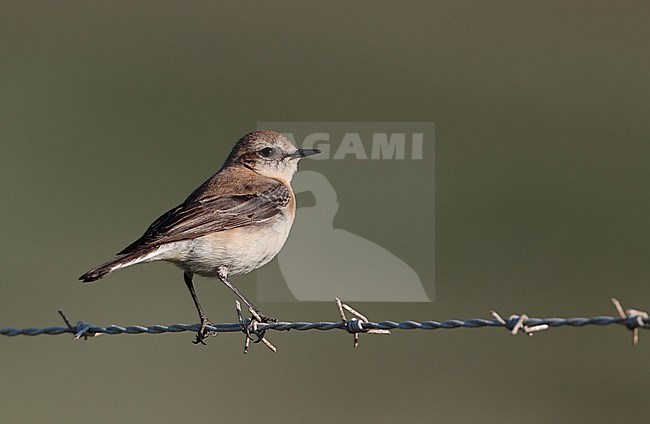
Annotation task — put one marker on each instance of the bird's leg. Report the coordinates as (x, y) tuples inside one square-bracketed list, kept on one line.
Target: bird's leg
[(202, 334), (223, 276)]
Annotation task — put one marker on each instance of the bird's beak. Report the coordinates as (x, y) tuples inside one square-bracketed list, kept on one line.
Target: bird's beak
[(303, 153)]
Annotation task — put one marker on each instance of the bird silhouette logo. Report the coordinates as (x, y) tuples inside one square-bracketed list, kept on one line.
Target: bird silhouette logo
[(338, 262)]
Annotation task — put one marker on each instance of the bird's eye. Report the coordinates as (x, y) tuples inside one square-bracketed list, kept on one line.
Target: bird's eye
[(266, 152)]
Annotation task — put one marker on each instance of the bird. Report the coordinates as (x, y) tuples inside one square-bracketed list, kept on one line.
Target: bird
[(233, 223)]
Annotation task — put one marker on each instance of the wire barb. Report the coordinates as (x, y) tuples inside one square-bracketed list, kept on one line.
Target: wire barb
[(251, 326), (633, 319), (80, 330), (519, 322), (355, 325)]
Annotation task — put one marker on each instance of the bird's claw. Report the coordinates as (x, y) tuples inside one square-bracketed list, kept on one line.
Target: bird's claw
[(204, 333), (257, 317), (265, 319)]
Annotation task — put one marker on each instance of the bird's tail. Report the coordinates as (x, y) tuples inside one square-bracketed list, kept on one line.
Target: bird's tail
[(121, 261)]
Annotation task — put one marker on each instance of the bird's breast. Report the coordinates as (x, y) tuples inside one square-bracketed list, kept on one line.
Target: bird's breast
[(241, 250)]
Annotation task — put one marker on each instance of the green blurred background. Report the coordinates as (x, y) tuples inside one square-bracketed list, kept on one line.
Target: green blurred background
[(111, 112)]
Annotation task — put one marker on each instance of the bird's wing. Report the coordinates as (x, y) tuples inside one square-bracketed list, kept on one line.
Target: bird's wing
[(195, 218)]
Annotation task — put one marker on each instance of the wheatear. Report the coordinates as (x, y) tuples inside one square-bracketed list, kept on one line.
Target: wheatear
[(235, 222)]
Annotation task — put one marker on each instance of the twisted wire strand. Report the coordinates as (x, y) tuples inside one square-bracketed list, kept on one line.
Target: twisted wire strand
[(83, 329)]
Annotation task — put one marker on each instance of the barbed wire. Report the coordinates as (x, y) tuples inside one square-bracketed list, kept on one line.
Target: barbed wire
[(255, 330)]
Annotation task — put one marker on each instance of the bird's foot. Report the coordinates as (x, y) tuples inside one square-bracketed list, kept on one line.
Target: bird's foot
[(252, 328), (204, 333)]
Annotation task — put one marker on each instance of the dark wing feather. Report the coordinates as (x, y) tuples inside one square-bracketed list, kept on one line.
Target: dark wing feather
[(196, 218)]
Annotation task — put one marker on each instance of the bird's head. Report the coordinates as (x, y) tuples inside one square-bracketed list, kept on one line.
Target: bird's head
[(269, 154)]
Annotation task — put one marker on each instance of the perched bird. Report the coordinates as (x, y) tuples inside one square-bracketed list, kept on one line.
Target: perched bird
[(235, 222)]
